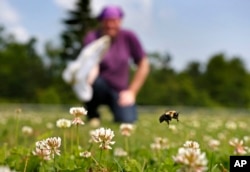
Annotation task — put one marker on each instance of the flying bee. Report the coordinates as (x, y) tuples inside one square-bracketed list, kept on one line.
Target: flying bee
[(168, 116)]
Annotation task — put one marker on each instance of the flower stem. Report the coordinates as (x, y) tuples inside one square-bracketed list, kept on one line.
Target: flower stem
[(55, 164), (95, 160), (126, 144), (71, 140), (100, 157), (17, 126), (77, 136), (42, 166), (64, 141), (26, 163)]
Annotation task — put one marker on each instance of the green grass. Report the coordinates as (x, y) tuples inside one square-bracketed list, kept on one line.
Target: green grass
[(195, 124)]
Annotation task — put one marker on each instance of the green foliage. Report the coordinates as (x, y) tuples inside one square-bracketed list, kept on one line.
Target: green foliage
[(78, 23), (222, 83), (22, 71), (49, 96), (193, 125), (227, 82)]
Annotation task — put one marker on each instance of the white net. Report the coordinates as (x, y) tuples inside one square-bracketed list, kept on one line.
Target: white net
[(81, 72)]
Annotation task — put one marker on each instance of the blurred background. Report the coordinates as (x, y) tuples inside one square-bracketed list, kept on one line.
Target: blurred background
[(198, 50)]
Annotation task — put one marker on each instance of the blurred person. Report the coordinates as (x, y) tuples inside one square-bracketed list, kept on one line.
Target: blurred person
[(112, 86)]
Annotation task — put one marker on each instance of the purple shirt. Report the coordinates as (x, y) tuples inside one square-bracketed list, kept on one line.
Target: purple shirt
[(114, 67)]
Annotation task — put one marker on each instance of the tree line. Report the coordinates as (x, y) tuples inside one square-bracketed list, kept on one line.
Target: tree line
[(222, 81)]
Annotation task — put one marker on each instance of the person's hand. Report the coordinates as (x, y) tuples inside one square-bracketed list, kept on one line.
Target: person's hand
[(126, 98)]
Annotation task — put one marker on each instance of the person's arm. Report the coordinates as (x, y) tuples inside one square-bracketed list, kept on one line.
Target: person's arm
[(127, 97), (140, 76)]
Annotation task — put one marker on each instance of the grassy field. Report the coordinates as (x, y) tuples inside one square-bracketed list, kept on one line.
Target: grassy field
[(151, 147)]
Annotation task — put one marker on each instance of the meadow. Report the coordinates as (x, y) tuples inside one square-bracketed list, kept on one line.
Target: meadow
[(149, 146)]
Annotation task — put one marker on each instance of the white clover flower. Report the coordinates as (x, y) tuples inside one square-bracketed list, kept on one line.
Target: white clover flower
[(191, 144), (160, 144), (27, 130), (85, 154), (37, 120), (78, 112), (246, 138), (214, 144), (120, 152), (63, 123), (172, 127), (41, 144), (42, 153), (222, 136), (155, 146), (207, 138), (196, 124), (103, 136), (191, 160), (50, 125), (214, 125), (231, 125), (5, 169), (192, 133), (46, 149), (53, 145), (243, 125), (126, 129), (42, 150), (239, 147)]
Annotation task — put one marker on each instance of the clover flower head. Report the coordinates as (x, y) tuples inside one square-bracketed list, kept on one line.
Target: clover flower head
[(191, 144), (246, 138), (41, 144), (54, 144), (103, 136), (243, 125), (160, 143), (42, 150), (5, 169), (222, 135), (231, 125), (78, 111), (50, 125), (213, 126), (155, 146), (85, 154), (172, 127), (120, 152), (27, 130), (42, 153), (191, 160), (239, 147), (126, 129), (214, 144), (63, 123), (46, 149)]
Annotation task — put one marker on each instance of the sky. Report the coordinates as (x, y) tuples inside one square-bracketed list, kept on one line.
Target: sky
[(189, 30)]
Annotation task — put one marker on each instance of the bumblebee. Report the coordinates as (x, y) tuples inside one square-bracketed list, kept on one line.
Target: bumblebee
[(168, 116)]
